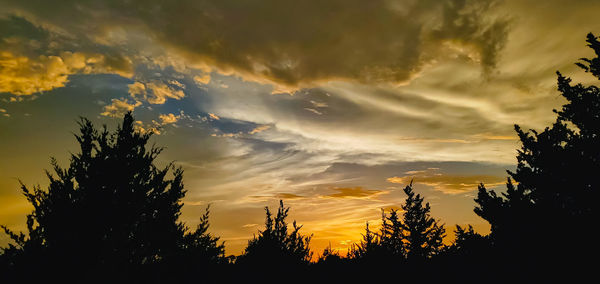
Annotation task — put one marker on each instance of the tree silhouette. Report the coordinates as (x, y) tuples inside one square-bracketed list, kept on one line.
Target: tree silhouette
[(423, 234), (392, 235), (557, 180), (369, 248), (469, 246), (111, 213), (330, 257), (275, 244), (417, 236)]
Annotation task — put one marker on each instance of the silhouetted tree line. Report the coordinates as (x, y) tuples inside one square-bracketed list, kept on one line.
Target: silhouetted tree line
[(113, 216)]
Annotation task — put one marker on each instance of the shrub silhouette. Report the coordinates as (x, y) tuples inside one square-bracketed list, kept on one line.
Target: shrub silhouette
[(111, 214), (275, 245), (369, 249), (330, 256)]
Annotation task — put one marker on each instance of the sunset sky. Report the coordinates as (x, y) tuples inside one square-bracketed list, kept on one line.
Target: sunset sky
[(332, 106)]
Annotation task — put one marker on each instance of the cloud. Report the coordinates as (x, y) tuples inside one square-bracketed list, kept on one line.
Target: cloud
[(313, 111), (137, 89), (202, 79), (157, 92), (447, 183), (22, 75), (119, 107), (354, 192), (35, 59), (259, 129), (318, 104), (147, 128), (168, 118), (287, 196), (296, 43)]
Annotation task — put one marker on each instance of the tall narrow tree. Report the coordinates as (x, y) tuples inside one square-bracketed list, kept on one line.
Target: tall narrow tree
[(423, 233)]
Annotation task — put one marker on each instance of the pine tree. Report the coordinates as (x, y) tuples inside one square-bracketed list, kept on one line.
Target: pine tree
[(417, 236), (423, 234), (392, 235)]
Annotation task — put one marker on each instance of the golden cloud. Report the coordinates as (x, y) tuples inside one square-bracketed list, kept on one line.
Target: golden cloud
[(168, 118), (161, 92), (354, 192), (259, 129), (214, 116), (288, 196), (202, 79), (119, 107), (23, 75), (156, 93), (447, 183)]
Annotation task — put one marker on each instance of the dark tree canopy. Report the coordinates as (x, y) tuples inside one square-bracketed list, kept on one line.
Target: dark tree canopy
[(111, 212), (556, 176)]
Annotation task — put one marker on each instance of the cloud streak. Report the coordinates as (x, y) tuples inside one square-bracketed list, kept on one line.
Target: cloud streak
[(354, 192), (447, 183)]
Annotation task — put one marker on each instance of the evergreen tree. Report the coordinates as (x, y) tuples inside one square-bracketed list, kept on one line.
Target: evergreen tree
[(557, 179), (417, 236), (111, 212), (392, 235), (423, 234)]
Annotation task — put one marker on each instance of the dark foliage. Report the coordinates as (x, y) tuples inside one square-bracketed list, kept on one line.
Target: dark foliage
[(275, 245), (415, 237), (111, 214), (557, 184)]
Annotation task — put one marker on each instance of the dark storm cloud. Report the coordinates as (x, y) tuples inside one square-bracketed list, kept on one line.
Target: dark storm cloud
[(292, 42)]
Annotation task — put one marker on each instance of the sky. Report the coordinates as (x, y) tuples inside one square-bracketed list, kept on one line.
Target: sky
[(332, 106)]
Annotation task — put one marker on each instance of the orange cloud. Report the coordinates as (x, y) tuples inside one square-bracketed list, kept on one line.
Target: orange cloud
[(259, 129), (354, 192), (23, 75), (288, 196), (168, 118), (447, 183), (214, 116), (118, 107)]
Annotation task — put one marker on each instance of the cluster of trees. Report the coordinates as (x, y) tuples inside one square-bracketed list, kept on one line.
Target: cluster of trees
[(113, 216)]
